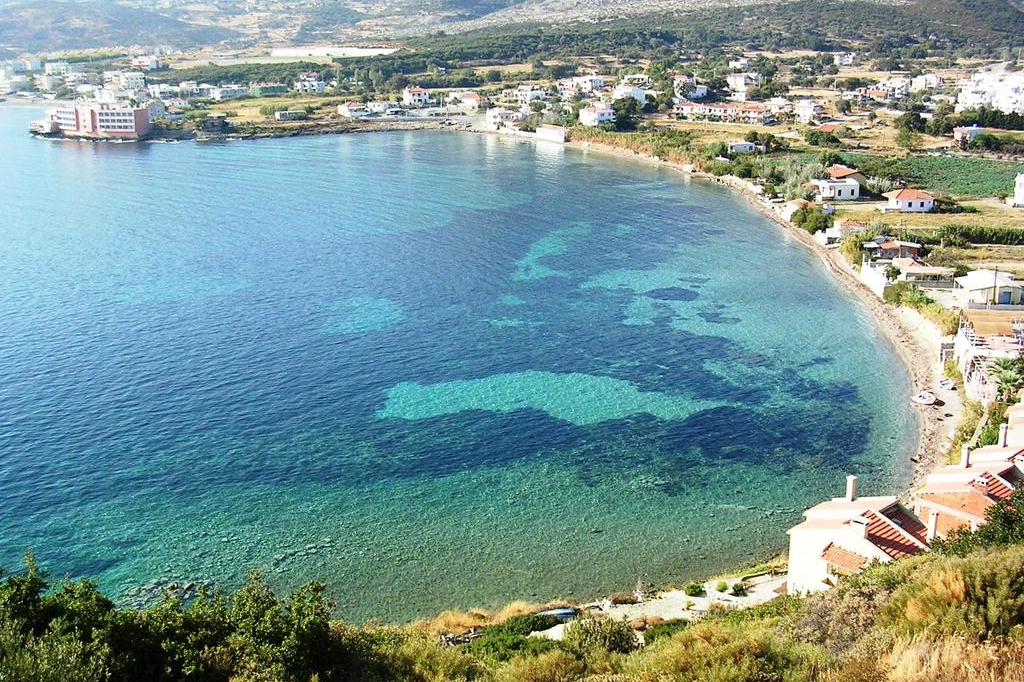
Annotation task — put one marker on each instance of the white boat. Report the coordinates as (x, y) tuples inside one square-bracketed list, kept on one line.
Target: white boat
[(924, 398)]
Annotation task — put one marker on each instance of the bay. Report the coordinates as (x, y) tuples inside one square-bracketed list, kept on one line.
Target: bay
[(431, 369)]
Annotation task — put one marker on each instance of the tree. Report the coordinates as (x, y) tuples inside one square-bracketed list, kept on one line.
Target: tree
[(908, 139), (811, 219), (891, 272), (627, 113), (911, 121), (1009, 377), (830, 158), (844, 106)]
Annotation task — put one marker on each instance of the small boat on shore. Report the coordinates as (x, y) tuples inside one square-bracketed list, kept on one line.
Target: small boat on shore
[(923, 398)]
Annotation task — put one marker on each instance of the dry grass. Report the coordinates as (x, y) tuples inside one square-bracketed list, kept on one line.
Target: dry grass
[(460, 622), (990, 213), (923, 659)]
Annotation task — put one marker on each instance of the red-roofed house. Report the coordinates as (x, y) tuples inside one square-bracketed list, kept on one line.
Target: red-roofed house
[(909, 201), (841, 536), (961, 494), (841, 172), (415, 96)]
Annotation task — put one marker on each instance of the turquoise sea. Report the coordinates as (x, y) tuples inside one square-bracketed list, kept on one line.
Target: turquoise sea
[(431, 369)]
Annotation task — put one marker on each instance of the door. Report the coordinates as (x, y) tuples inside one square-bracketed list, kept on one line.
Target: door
[(1004, 297)]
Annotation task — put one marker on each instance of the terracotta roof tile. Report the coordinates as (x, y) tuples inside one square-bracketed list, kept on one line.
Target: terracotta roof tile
[(838, 171), (997, 487), (909, 523), (908, 194), (844, 559), (883, 534), (970, 502)]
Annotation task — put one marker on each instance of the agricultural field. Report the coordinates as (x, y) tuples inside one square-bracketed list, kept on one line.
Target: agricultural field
[(954, 176)]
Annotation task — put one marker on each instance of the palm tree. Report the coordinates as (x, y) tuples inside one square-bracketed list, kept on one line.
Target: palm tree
[(1008, 377)]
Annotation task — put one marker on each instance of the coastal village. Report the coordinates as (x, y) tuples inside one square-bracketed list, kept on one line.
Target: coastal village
[(942, 267)]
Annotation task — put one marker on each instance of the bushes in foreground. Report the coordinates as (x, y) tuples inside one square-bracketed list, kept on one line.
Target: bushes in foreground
[(950, 615)]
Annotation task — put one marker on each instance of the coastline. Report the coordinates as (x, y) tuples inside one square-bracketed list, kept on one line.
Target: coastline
[(915, 340)]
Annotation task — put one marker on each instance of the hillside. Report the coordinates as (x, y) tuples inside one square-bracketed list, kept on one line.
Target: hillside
[(36, 25)]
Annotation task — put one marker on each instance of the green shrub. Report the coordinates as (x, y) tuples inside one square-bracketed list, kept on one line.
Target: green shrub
[(550, 666), (588, 636), (694, 590), (499, 645), (981, 596), (664, 630), (738, 590), (722, 586)]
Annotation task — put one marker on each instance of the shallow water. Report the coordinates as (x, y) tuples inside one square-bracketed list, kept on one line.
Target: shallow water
[(433, 370)]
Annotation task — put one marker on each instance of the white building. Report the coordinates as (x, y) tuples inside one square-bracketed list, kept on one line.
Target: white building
[(909, 201), (229, 91), (964, 135), (525, 94), (309, 83), (15, 83), (741, 83), (60, 68), (780, 106), (926, 81), (807, 111), (995, 88), (593, 116), (842, 536), (193, 90), (113, 95), (741, 147), (353, 110), (551, 133), (845, 59), (131, 80), (989, 287), (1017, 198), (146, 62), (896, 87), (157, 109), (846, 189), (498, 118), (640, 80), (162, 91), (584, 85), (415, 96), (624, 90)]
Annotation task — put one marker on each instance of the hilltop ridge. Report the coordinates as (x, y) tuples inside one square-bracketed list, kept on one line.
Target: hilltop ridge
[(35, 25)]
